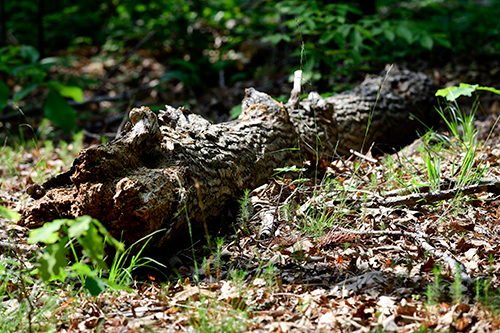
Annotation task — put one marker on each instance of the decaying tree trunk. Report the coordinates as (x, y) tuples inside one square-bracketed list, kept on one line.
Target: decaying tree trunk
[(185, 171)]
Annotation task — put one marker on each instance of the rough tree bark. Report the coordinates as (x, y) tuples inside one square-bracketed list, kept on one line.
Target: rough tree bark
[(185, 171)]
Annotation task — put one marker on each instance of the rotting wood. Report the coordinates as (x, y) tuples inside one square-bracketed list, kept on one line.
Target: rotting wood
[(180, 174)]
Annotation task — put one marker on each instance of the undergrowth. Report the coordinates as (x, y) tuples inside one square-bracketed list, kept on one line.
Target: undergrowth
[(73, 261)]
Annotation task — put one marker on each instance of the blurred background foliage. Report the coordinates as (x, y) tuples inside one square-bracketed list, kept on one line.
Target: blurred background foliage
[(179, 50)]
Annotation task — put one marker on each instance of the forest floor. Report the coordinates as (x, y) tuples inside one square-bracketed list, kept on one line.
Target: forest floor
[(399, 242)]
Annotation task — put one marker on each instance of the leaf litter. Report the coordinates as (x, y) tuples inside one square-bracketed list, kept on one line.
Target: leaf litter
[(330, 254)]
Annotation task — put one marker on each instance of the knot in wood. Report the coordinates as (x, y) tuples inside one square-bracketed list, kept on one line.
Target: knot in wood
[(145, 124), (259, 105)]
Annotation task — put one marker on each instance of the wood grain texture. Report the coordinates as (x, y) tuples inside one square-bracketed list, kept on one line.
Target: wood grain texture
[(177, 170)]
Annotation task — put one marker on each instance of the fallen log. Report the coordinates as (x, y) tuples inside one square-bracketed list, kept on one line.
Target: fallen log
[(180, 174)]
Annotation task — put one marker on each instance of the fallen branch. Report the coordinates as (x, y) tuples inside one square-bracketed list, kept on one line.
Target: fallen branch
[(431, 197), (182, 172), (445, 184), (391, 200)]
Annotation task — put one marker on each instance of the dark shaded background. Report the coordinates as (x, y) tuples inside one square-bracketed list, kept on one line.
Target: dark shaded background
[(203, 54)]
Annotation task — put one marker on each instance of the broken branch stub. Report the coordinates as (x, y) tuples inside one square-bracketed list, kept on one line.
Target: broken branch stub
[(186, 171)]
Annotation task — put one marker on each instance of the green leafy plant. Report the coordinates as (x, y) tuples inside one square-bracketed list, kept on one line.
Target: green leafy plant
[(433, 292), (60, 237), (24, 63), (340, 37), (288, 210), (463, 89), (487, 295), (215, 261), (10, 215), (24, 301), (461, 124)]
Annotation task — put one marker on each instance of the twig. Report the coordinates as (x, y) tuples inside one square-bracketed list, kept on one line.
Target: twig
[(485, 185), (445, 184), (369, 159), (427, 198), (349, 168), (455, 266), (124, 119), (98, 136)]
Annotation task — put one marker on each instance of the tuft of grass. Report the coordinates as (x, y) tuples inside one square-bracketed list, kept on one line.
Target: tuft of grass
[(126, 262), (459, 122)]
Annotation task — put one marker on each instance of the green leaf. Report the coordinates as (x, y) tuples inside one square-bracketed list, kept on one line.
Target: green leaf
[(4, 95), (464, 89), (405, 33), (53, 261), (344, 30), (356, 39), (452, 93), (79, 226), (390, 35), (235, 111), (9, 214), (49, 61), (427, 42), (493, 90), (58, 111), (73, 92), (276, 38), (94, 285), (442, 40), (80, 269), (119, 246), (23, 92), (93, 246), (30, 53), (48, 233), (310, 24)]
